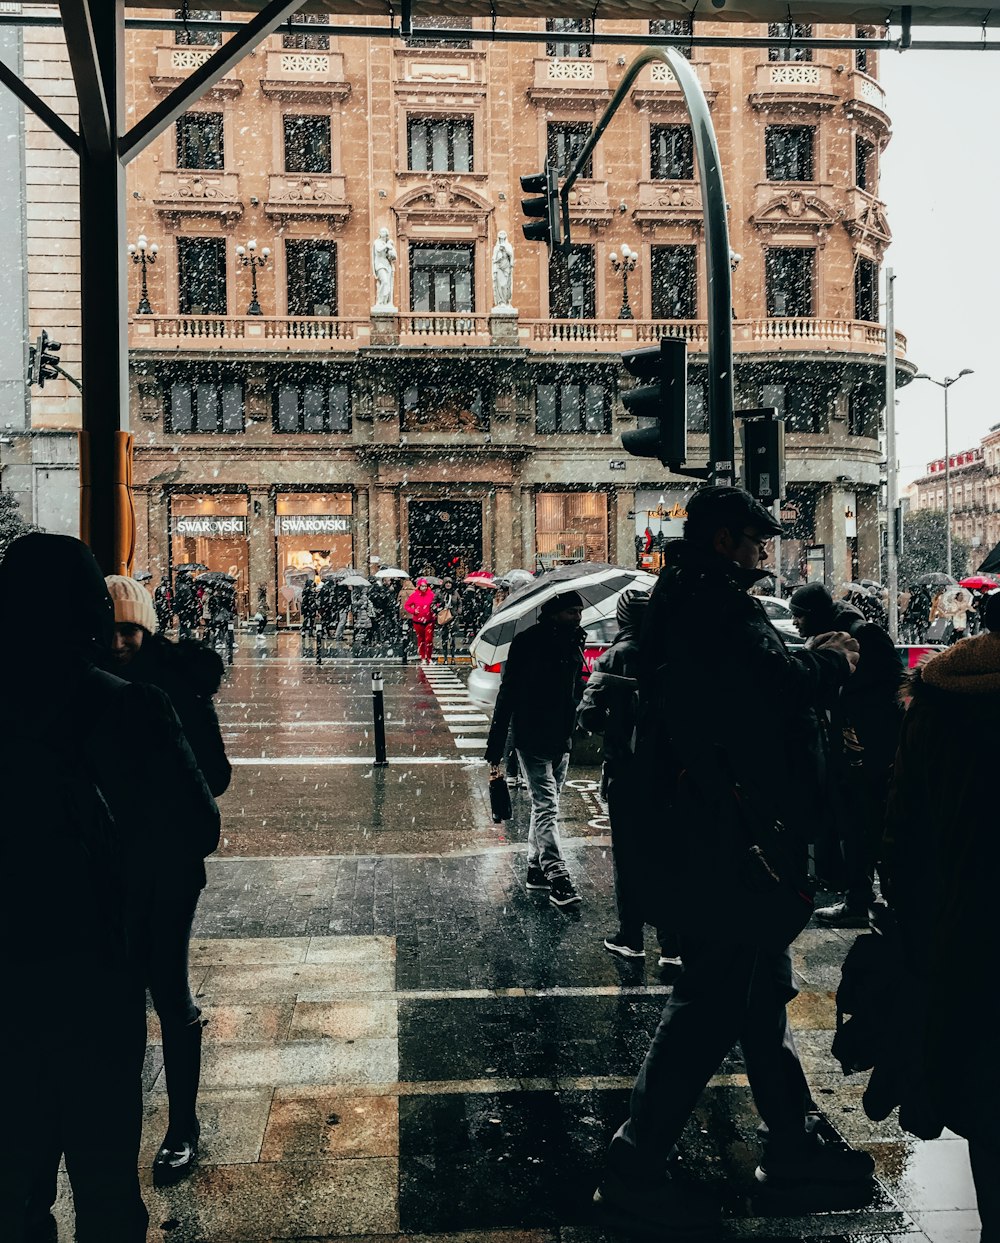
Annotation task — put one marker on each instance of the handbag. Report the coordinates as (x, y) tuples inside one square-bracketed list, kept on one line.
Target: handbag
[(444, 616), (500, 804), (937, 631)]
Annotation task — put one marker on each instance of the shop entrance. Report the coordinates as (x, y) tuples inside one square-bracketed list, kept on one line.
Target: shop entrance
[(445, 537), (212, 531)]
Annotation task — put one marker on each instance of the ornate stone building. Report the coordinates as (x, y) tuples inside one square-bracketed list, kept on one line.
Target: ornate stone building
[(444, 434)]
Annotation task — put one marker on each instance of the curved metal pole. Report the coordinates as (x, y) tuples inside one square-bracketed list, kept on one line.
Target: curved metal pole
[(717, 270)]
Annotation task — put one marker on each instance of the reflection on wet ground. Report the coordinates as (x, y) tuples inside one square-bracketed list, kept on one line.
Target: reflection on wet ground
[(402, 1042)]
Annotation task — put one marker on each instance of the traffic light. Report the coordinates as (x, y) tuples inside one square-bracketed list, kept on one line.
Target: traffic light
[(662, 398), (762, 433), (44, 359), (547, 228)]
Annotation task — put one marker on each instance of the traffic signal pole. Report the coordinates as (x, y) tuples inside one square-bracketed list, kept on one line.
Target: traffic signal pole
[(721, 465)]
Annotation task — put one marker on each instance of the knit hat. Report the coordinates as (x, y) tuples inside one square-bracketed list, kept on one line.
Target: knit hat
[(811, 599), (133, 603)]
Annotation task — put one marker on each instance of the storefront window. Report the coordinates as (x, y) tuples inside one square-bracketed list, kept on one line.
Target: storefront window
[(212, 531), (571, 526), (314, 535)]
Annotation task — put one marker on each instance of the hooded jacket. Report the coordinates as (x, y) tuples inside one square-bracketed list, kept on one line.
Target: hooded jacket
[(420, 605), (611, 699), (941, 860), (541, 687), (190, 674)]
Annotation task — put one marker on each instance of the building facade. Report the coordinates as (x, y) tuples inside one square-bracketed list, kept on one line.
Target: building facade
[(975, 494), (449, 431)]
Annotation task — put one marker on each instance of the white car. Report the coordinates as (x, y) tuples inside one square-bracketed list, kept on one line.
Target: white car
[(780, 616)]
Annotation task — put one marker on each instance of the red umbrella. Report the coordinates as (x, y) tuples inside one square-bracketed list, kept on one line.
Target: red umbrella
[(977, 582)]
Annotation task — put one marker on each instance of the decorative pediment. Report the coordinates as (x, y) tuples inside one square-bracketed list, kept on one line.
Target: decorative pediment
[(795, 207), (442, 199), (871, 225)]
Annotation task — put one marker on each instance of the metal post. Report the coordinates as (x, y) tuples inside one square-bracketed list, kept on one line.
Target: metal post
[(947, 486), (319, 643), (776, 510), (378, 713), (891, 474), (721, 432)]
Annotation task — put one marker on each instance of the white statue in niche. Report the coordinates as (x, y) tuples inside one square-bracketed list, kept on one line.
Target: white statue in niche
[(383, 258), (503, 275)]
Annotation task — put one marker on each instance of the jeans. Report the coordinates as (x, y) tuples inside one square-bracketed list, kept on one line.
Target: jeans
[(545, 781), (726, 993), (338, 634)]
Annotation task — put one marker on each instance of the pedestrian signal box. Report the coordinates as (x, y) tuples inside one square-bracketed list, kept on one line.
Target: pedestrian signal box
[(661, 401), (762, 433)]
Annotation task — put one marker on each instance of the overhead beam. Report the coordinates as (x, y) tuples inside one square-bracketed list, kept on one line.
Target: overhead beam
[(97, 127), (39, 107), (205, 76)]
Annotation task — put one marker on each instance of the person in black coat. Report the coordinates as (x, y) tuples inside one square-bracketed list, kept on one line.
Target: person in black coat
[(80, 750), (308, 607), (610, 707), (865, 719), (190, 674), (541, 687), (730, 741)]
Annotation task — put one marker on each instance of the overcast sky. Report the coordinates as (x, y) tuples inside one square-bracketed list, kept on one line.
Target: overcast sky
[(941, 184)]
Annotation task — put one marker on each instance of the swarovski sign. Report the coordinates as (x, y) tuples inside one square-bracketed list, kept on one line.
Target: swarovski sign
[(314, 524), (207, 524)]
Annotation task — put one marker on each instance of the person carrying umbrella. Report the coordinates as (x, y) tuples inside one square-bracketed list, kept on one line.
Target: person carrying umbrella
[(541, 687)]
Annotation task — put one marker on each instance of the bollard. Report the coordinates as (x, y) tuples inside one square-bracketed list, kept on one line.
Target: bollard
[(378, 711), (319, 644), (230, 641)]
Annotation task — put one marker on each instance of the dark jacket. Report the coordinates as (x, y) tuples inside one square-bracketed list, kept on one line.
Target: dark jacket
[(541, 687), (941, 861), (190, 673), (725, 707), (611, 699)]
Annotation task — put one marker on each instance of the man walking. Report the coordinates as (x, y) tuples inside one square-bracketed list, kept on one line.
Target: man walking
[(865, 720), (541, 687), (728, 724)]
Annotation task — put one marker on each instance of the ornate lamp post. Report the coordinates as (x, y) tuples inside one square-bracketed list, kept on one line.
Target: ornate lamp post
[(248, 257), (623, 267), (144, 254), (946, 384)]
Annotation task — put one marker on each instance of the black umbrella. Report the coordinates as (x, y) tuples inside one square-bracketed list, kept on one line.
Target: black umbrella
[(188, 567), (934, 580), (216, 576), (992, 563), (142, 576)]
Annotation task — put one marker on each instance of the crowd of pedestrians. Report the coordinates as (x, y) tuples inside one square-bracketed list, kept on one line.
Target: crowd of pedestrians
[(740, 776)]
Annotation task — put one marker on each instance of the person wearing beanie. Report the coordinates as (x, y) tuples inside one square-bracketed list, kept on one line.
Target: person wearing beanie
[(865, 719), (940, 860), (731, 751), (610, 707), (80, 752), (189, 673), (541, 687)]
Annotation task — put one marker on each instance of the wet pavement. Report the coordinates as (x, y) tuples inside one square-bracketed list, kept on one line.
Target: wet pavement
[(401, 1041)]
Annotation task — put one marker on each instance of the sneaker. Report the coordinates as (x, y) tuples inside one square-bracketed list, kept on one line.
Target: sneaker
[(621, 945), (667, 960), (536, 879), (818, 1163), (840, 915), (562, 892), (679, 1209)]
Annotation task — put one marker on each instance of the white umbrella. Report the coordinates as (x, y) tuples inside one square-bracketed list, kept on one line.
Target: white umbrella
[(391, 571), (355, 580), (598, 584)]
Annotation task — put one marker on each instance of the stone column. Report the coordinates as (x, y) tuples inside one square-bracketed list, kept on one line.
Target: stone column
[(869, 535), (830, 532), (623, 530), (528, 528), (385, 525), (362, 541), (504, 548), (263, 553), (157, 526)]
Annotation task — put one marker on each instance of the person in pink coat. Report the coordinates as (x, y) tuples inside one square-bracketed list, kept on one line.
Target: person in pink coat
[(420, 606)]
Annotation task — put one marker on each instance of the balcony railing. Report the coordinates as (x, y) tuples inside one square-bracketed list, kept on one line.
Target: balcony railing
[(793, 82), (418, 326), (246, 332), (747, 333)]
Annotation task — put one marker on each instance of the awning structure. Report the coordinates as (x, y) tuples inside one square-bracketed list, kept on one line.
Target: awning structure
[(95, 37)]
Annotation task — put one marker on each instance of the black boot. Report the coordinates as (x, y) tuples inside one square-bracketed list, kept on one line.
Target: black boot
[(182, 1065)]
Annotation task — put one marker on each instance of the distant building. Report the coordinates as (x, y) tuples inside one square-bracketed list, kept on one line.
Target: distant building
[(972, 518)]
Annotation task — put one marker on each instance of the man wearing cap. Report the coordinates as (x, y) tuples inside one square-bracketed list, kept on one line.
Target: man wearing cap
[(865, 720), (541, 687), (729, 735)]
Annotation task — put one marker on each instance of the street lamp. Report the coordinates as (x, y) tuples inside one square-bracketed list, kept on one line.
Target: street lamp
[(143, 253), (248, 257), (623, 266), (946, 384)]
